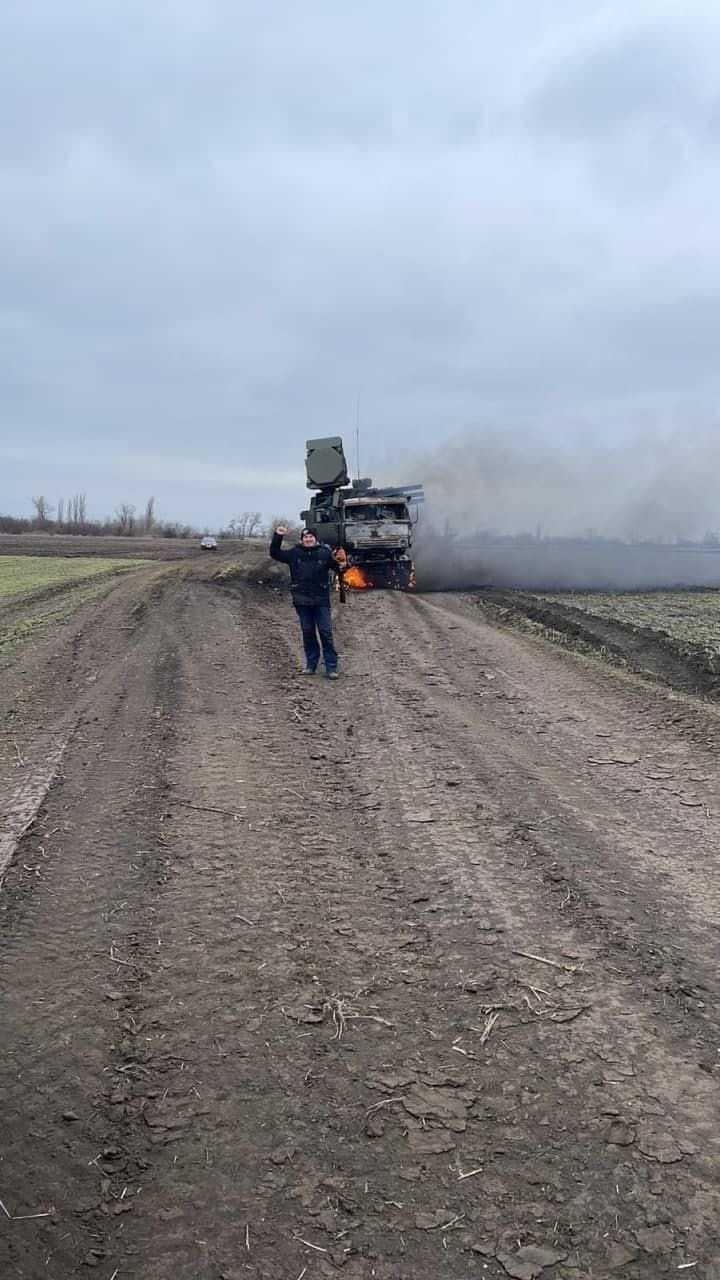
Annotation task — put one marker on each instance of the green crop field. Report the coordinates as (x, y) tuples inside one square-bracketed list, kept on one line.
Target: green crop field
[(38, 593), (689, 617), (22, 575)]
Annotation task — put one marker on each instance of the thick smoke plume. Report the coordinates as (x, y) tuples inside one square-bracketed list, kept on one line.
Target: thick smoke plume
[(521, 512)]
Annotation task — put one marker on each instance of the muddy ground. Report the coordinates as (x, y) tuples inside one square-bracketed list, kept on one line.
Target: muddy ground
[(412, 975)]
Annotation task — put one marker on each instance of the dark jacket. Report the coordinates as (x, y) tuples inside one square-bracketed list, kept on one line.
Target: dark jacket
[(309, 569)]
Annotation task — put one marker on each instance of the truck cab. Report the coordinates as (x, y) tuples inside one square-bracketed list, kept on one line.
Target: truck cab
[(372, 523)]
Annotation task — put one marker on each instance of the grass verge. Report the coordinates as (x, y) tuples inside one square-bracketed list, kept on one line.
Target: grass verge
[(26, 575), (45, 601)]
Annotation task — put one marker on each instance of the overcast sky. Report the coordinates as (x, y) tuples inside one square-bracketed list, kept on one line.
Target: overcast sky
[(222, 220)]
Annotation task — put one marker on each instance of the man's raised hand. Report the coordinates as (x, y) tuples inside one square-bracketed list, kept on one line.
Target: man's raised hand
[(281, 529)]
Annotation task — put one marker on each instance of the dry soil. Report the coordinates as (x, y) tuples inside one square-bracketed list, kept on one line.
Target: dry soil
[(412, 975)]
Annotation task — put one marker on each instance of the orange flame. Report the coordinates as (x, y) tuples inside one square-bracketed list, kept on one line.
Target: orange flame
[(356, 579)]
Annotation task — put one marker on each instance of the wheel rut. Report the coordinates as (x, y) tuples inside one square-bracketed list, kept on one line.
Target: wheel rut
[(381, 978)]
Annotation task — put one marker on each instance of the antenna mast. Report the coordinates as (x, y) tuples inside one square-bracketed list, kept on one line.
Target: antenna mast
[(357, 437)]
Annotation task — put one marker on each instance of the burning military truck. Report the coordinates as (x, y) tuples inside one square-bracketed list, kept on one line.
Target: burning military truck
[(374, 527)]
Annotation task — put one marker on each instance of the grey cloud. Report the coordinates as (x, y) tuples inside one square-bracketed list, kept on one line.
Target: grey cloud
[(223, 220), (634, 75)]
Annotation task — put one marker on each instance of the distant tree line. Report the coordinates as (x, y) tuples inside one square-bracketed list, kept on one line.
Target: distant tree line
[(69, 516), (250, 524)]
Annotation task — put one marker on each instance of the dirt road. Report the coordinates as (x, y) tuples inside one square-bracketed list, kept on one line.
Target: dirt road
[(410, 976)]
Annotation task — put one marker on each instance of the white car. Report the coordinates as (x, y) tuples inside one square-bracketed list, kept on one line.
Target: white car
[(208, 544)]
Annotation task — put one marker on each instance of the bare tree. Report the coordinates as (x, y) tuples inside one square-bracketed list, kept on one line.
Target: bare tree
[(291, 525), (77, 510), (239, 524), (248, 524), (149, 517), (125, 514), (43, 510), (60, 512)]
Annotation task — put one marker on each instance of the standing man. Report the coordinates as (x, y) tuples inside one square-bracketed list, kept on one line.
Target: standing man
[(310, 563)]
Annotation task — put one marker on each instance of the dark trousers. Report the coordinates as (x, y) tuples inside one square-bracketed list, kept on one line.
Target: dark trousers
[(316, 620)]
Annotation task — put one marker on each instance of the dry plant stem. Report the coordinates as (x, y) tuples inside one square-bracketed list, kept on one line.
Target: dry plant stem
[(208, 808), (316, 1247), (470, 1174), (487, 1029), (446, 1226), (24, 1217), (555, 964), (593, 761), (339, 1012), (385, 1102), (456, 1048), (342, 1012), (537, 991)]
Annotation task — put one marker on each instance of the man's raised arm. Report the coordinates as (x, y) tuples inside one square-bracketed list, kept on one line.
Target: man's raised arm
[(276, 550)]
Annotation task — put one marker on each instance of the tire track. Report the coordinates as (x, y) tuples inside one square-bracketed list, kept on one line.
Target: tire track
[(68, 914), (276, 945)]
